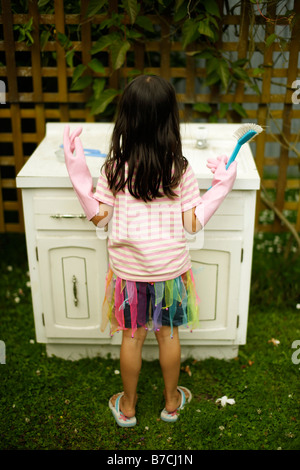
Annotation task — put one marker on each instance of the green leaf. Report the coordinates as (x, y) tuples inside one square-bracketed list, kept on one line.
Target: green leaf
[(202, 107), (28, 25), (94, 7), (118, 53), (133, 34), (205, 29), (239, 109), (100, 104), (255, 88), (30, 38), (21, 36), (178, 4), (43, 3), (114, 20), (213, 20), (211, 79), (212, 8), (81, 83), (44, 37), (189, 32), (69, 58), (241, 74), (132, 8), (258, 71), (224, 73), (78, 72), (180, 13), (223, 110), (270, 39), (240, 62), (204, 54), (96, 66), (104, 42), (64, 41), (212, 65), (145, 23), (98, 87)]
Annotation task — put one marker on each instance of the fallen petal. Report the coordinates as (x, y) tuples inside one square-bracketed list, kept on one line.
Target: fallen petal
[(224, 400), (231, 401)]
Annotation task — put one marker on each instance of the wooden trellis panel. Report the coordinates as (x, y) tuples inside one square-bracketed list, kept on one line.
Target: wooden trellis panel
[(31, 102)]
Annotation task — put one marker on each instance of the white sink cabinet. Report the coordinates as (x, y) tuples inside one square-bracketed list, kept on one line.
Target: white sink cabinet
[(68, 257)]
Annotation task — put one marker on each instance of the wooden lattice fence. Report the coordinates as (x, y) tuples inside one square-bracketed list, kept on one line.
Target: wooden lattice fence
[(37, 79)]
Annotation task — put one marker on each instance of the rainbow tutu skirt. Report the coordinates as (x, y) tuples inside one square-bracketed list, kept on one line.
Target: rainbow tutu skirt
[(133, 304)]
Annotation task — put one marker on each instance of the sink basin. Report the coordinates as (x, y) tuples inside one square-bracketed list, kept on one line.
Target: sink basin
[(47, 161)]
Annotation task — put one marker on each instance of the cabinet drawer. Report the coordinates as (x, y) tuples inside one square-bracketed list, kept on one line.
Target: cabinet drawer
[(60, 213)]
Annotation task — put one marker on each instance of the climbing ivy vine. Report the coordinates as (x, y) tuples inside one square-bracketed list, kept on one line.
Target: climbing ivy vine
[(196, 24)]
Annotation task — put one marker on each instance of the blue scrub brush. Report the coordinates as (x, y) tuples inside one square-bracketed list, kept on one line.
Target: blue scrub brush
[(244, 134)]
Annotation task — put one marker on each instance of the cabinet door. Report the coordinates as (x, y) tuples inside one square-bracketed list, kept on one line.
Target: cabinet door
[(216, 270), (72, 273)]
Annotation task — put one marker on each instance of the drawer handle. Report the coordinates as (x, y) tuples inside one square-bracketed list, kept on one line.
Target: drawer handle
[(68, 216), (74, 280)]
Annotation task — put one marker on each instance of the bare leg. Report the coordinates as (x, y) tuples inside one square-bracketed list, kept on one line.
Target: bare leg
[(130, 365), (169, 358)]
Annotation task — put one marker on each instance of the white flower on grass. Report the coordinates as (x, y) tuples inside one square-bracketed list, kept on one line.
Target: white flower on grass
[(9, 268), (224, 400), (17, 300), (117, 372), (298, 306)]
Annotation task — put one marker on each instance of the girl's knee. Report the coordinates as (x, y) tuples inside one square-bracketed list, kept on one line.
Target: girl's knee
[(138, 336), (166, 333)]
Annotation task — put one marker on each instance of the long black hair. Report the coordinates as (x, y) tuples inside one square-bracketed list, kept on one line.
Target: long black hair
[(146, 135)]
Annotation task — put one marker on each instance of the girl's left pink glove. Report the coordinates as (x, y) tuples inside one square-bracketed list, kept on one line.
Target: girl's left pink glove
[(79, 173)]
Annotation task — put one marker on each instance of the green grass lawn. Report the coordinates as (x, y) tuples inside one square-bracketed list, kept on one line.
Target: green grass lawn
[(50, 403)]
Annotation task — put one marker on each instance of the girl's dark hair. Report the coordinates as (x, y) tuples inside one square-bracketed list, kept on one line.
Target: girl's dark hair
[(146, 135)]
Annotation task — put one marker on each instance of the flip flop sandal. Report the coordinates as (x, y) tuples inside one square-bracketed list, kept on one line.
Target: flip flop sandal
[(120, 418), (171, 417)]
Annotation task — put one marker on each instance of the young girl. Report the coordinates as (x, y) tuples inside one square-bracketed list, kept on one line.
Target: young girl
[(150, 191)]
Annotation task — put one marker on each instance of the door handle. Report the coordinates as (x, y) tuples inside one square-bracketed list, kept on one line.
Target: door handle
[(74, 280), (68, 216)]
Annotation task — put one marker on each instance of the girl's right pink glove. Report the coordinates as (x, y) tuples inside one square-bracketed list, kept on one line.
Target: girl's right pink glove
[(79, 173), (222, 184)]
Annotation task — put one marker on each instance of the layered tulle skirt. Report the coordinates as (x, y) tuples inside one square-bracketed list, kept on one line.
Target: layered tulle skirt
[(131, 304)]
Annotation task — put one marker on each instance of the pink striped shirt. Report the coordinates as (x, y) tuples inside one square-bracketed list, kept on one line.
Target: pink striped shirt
[(147, 242)]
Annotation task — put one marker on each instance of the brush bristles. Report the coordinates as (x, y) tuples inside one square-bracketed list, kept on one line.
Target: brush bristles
[(245, 128)]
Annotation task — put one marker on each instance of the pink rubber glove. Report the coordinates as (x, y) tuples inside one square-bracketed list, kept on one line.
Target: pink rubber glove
[(79, 173), (222, 184), (212, 163)]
